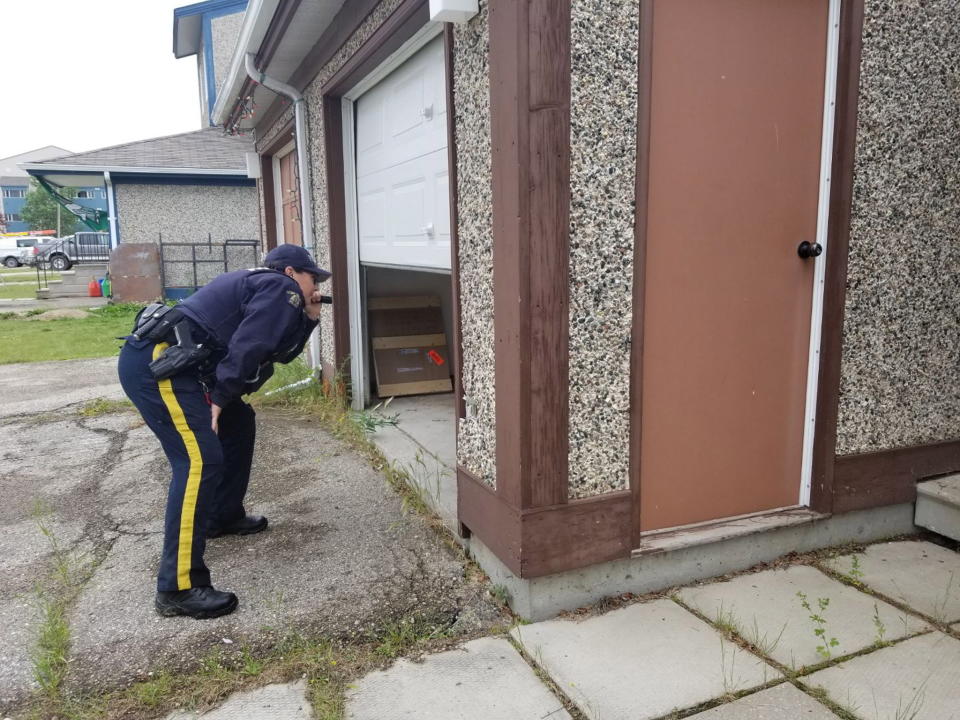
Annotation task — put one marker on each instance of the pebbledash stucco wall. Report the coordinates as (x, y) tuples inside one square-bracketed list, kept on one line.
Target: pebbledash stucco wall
[(476, 440), (901, 339), (225, 31), (603, 111), (188, 213)]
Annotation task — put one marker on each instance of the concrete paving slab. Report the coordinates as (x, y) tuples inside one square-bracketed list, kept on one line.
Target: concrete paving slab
[(641, 661), (484, 680), (776, 703), (423, 443), (915, 679), (765, 610), (921, 575), (286, 701)]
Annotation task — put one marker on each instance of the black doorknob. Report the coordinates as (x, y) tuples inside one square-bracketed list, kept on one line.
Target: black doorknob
[(809, 250)]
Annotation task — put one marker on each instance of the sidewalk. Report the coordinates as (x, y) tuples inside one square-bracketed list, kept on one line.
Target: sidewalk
[(868, 635)]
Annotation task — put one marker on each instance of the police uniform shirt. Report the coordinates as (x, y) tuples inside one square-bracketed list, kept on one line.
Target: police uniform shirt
[(255, 317)]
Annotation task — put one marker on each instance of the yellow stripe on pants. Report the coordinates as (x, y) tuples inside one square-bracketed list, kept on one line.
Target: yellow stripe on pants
[(188, 507)]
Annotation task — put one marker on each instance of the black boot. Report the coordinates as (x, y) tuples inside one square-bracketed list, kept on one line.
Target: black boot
[(199, 602), (247, 525)]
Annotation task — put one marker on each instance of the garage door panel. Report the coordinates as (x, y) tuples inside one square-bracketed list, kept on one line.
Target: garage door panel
[(403, 181), (372, 228)]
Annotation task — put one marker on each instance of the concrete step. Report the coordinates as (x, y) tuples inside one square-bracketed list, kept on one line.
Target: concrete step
[(938, 506)]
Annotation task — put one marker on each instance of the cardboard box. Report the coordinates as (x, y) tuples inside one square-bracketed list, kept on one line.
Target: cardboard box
[(410, 354)]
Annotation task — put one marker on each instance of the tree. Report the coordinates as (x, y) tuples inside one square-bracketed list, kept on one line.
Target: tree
[(40, 210)]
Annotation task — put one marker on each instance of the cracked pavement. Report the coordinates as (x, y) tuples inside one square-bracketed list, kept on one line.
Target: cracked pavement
[(340, 554)]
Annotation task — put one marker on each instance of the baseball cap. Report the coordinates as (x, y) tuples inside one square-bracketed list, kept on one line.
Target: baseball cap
[(294, 256)]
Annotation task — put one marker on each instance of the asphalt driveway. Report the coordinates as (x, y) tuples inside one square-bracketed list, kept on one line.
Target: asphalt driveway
[(340, 554)]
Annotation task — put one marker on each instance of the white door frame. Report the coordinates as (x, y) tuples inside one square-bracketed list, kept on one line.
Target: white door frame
[(278, 189), (359, 367), (820, 267)]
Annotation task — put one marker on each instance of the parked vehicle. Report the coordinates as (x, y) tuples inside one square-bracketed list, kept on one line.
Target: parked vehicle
[(62, 254), (15, 250)]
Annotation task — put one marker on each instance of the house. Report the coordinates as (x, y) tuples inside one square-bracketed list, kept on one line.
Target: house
[(15, 184), (185, 197), (208, 30), (697, 259)]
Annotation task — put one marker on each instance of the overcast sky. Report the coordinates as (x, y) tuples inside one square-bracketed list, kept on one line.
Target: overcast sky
[(89, 74)]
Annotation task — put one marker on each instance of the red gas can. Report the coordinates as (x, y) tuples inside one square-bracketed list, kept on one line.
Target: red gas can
[(93, 289)]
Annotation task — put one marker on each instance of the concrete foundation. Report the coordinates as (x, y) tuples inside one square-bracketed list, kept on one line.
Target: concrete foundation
[(544, 597)]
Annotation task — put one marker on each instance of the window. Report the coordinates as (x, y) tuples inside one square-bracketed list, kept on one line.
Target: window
[(84, 194), (14, 193), (11, 217)]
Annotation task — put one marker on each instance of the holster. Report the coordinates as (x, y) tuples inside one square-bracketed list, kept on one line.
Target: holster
[(185, 355)]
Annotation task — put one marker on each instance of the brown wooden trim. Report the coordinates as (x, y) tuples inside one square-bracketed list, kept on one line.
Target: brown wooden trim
[(823, 496), (486, 513), (402, 24), (548, 37), (576, 534), (281, 139), (530, 144), (344, 24), (509, 183), (269, 202), (645, 78), (276, 31), (337, 225), (546, 540), (448, 60), (266, 178), (890, 477)]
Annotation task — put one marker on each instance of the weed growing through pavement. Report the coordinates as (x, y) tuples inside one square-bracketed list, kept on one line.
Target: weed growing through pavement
[(855, 575), (940, 607), (53, 596), (500, 594), (879, 626), (819, 624), (728, 673)]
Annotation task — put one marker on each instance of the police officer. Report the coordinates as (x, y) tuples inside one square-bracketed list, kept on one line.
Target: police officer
[(185, 369)]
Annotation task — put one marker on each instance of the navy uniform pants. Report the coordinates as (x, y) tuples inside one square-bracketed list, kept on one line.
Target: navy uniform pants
[(210, 471)]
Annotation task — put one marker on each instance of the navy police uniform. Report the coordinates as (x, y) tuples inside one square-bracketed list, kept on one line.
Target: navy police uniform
[(246, 320)]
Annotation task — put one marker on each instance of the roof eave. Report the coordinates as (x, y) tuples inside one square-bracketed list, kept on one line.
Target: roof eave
[(40, 168)]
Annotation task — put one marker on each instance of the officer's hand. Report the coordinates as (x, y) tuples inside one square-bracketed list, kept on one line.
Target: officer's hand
[(215, 417), (313, 305)]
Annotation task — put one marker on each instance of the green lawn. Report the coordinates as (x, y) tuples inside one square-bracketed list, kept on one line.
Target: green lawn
[(17, 291), (27, 339)]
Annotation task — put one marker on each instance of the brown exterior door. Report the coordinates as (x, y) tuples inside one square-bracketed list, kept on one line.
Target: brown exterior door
[(736, 119), (289, 205)]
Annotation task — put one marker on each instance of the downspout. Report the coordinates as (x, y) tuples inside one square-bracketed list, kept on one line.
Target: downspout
[(302, 142), (111, 210)]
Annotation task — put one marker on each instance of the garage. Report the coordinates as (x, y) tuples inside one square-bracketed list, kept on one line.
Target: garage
[(398, 190)]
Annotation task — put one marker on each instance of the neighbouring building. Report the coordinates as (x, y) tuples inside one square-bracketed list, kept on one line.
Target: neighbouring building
[(15, 184), (697, 259), (187, 196), (208, 30)]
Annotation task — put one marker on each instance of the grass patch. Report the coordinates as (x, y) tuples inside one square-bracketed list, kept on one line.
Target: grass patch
[(328, 667), (25, 340), (102, 406), (17, 292)]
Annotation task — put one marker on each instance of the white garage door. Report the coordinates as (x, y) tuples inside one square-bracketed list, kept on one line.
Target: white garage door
[(402, 176)]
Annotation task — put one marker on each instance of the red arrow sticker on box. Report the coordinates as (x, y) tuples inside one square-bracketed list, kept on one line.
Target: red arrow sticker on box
[(435, 356)]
